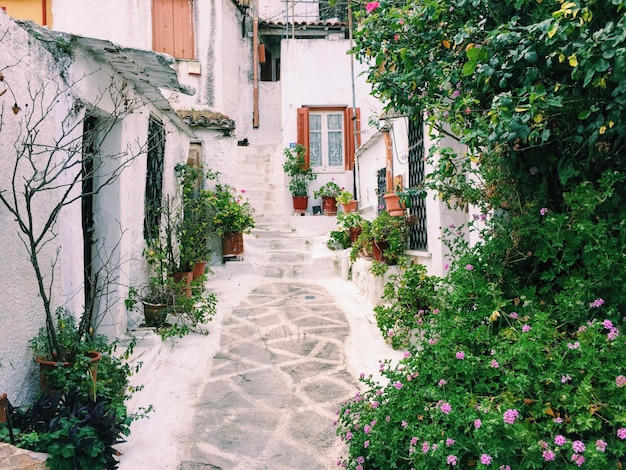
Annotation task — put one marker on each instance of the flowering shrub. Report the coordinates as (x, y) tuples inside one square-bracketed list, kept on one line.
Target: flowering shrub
[(484, 391), (521, 366), (408, 301), (231, 212)]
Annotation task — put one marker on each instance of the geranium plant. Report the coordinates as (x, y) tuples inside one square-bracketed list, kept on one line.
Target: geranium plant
[(330, 189), (232, 213), (344, 197)]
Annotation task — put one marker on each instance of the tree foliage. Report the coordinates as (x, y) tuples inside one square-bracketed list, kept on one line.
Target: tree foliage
[(516, 363)]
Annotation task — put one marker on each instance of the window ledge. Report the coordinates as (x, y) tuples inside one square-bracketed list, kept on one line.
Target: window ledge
[(419, 254)]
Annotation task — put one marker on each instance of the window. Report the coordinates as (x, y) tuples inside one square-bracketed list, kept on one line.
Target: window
[(154, 179), (329, 136), (172, 28)]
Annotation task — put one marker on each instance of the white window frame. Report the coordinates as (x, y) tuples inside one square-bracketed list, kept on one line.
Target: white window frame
[(325, 166)]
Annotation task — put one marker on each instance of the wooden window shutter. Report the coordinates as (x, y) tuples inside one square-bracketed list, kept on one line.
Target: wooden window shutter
[(303, 132), (173, 29), (352, 120)]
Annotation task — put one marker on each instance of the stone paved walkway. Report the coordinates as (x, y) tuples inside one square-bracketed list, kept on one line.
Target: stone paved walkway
[(276, 384)]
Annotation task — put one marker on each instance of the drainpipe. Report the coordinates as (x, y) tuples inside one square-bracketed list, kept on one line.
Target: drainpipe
[(389, 159), (255, 72), (44, 12)]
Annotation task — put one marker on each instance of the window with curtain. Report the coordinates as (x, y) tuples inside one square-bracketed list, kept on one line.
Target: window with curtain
[(330, 136)]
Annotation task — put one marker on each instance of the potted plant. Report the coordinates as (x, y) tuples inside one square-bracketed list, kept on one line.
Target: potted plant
[(328, 193), (352, 222), (349, 228), (195, 229), (66, 365), (389, 237), (347, 202), (396, 200), (300, 176), (232, 217)]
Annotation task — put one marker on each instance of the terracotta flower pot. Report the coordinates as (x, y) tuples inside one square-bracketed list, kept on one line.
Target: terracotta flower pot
[(350, 207), (354, 233), (198, 269), (232, 244), (394, 206), (46, 366), (329, 204), (4, 408), (183, 279), (300, 204)]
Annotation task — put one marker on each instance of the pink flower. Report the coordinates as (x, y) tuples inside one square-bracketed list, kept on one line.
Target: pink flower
[(477, 423), (621, 433), (425, 447), (485, 459), (608, 324), (526, 328), (460, 355), (398, 385), (600, 445), (404, 424), (560, 440), (596, 303), (575, 345), (565, 378), (451, 460), (495, 364), (442, 382), (578, 459), (371, 6), (620, 380), (469, 267), (367, 429), (543, 211), (449, 442), (514, 315), (446, 408), (510, 416), (548, 455), (578, 446)]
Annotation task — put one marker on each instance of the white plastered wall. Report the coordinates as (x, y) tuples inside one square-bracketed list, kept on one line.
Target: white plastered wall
[(317, 72), (118, 209)]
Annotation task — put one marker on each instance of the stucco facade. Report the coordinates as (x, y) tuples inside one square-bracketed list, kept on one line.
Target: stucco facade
[(72, 82)]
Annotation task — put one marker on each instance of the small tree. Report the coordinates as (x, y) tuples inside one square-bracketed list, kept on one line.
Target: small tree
[(50, 174)]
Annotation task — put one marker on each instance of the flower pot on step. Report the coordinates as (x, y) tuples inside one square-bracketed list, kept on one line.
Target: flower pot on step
[(329, 204)]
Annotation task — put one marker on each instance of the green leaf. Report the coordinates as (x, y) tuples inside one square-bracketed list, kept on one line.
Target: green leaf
[(469, 68)]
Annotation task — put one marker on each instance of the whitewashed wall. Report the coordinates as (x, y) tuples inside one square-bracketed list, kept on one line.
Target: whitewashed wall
[(21, 309), (318, 72), (125, 22), (119, 208)]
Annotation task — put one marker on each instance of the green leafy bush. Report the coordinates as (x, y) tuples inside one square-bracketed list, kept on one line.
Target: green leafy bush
[(409, 299), (520, 368)]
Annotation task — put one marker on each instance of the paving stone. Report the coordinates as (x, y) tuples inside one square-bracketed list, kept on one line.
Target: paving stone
[(13, 458)]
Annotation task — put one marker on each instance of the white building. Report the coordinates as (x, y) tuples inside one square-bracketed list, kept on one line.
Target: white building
[(56, 90)]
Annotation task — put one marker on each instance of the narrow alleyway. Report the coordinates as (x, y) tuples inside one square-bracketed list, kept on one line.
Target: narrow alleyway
[(262, 389)]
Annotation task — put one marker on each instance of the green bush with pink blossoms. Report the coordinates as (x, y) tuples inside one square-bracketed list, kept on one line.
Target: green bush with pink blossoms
[(518, 362)]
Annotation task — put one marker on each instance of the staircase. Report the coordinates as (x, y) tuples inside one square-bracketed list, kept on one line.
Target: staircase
[(281, 245), (260, 173)]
